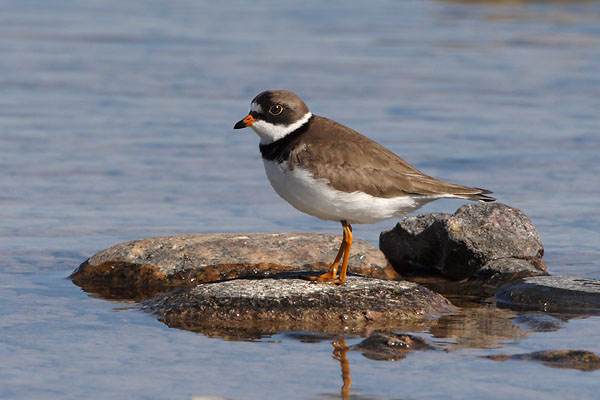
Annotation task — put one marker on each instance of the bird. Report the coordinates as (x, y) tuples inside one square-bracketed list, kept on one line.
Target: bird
[(332, 172)]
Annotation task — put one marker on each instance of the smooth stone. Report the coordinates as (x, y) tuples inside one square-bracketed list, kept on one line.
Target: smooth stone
[(551, 294), (390, 346), (573, 359), (141, 268), (247, 308), (471, 243)]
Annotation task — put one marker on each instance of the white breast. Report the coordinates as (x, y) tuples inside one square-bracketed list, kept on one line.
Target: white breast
[(315, 197)]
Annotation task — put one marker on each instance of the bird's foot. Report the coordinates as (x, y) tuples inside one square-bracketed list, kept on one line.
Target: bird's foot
[(327, 277)]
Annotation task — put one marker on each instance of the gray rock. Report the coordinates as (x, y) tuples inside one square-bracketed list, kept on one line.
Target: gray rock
[(468, 244), (551, 294), (142, 268), (573, 359), (391, 346), (244, 308), (417, 242), (498, 272), (484, 283)]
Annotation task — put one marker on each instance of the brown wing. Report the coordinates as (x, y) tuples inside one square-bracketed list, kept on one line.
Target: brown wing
[(351, 161)]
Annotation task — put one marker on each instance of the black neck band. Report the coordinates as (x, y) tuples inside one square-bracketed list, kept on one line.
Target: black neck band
[(280, 149)]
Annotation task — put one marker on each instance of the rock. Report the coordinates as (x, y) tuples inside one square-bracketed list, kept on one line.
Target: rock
[(492, 242), (245, 308), (145, 267), (573, 359), (540, 322), (484, 283), (311, 337), (499, 271), (390, 346), (494, 274), (416, 243), (551, 294)]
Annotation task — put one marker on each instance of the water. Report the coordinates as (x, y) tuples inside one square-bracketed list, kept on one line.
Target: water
[(115, 124)]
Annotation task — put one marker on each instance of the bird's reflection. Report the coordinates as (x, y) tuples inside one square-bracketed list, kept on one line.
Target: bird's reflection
[(339, 353)]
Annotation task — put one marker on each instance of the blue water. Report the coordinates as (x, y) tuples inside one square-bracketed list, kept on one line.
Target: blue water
[(115, 124)]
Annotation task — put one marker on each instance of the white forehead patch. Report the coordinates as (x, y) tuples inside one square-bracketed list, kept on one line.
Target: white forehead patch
[(256, 108), (269, 132)]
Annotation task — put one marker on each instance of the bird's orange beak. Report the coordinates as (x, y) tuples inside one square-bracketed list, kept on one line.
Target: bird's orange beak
[(249, 120)]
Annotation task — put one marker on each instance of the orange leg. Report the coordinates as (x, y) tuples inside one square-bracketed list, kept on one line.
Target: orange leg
[(348, 241), (344, 251)]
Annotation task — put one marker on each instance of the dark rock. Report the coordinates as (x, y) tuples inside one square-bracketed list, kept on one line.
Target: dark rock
[(416, 243), (498, 272), (551, 294), (572, 359), (255, 308), (311, 337), (142, 268), (484, 283), (539, 322), (489, 242), (390, 346)]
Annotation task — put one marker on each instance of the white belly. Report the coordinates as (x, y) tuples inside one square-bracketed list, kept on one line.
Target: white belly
[(315, 197)]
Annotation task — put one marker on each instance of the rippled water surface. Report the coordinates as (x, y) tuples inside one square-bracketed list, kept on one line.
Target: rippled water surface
[(116, 123)]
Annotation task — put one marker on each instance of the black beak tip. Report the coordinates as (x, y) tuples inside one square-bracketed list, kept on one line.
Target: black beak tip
[(241, 124)]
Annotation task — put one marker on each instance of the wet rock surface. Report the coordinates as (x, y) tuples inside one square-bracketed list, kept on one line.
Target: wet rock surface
[(142, 268), (536, 322), (391, 346), (573, 359), (551, 294), (260, 307), (488, 244)]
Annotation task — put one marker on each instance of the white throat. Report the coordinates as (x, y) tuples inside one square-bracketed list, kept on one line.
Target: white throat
[(269, 133)]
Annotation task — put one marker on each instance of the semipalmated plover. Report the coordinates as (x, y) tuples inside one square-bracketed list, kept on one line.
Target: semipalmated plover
[(332, 172)]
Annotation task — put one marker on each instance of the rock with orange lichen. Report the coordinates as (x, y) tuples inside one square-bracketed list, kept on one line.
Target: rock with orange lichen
[(142, 268)]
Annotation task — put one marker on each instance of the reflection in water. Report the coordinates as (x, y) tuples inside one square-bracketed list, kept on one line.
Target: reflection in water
[(538, 322), (339, 353), (340, 349), (480, 327)]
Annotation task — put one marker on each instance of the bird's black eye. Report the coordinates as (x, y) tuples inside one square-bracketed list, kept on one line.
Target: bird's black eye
[(275, 110)]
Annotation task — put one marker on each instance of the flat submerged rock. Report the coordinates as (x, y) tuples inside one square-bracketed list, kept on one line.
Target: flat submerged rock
[(552, 294), (572, 359), (142, 268), (259, 307)]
